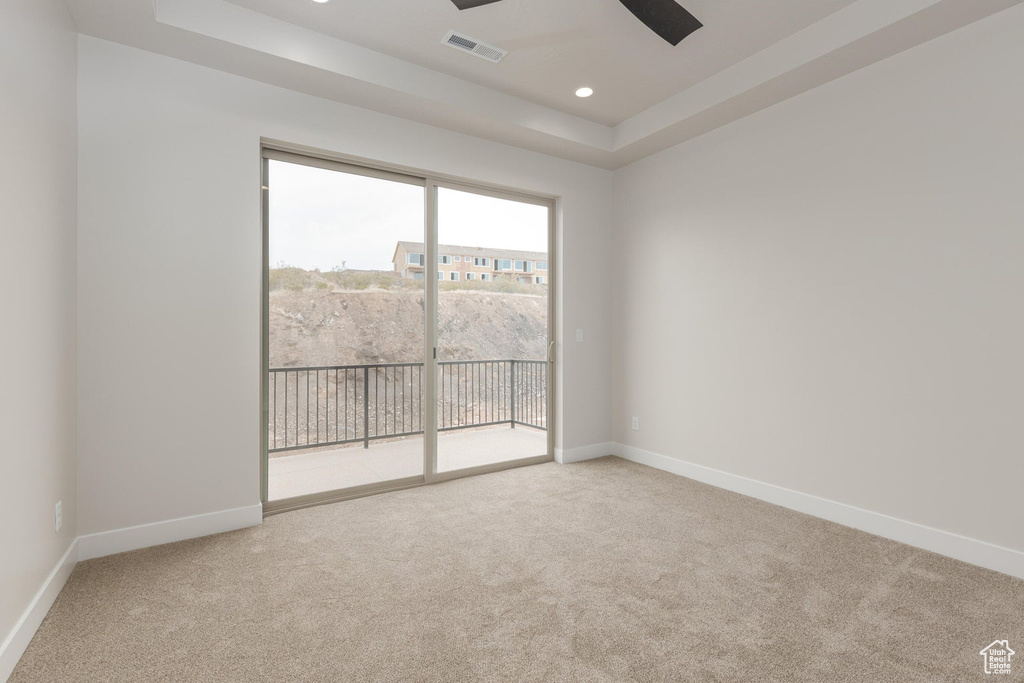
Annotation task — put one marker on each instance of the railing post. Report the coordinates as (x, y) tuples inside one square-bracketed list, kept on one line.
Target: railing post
[(366, 407), (512, 385)]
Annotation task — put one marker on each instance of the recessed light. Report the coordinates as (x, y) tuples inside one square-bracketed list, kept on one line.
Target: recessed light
[(321, 2), (584, 92)]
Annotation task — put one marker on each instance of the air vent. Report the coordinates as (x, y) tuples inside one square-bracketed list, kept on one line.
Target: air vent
[(463, 43)]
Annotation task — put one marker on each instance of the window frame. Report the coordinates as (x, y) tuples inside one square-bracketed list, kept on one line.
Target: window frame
[(275, 150)]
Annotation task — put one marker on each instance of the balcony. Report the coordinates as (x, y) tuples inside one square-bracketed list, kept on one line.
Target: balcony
[(333, 427)]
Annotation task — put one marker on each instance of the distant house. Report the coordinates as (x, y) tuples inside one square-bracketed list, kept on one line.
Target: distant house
[(458, 264)]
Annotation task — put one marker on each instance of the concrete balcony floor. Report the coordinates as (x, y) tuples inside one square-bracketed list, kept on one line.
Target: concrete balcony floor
[(297, 473)]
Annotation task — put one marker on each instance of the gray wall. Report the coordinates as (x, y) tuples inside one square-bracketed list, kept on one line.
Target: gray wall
[(826, 295), (37, 278)]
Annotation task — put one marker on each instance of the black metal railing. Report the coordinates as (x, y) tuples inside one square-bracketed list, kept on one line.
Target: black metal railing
[(343, 404)]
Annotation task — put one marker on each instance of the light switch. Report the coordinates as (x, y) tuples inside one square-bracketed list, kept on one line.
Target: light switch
[(579, 334)]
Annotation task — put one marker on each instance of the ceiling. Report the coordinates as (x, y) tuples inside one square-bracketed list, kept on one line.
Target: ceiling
[(386, 55), (557, 46)]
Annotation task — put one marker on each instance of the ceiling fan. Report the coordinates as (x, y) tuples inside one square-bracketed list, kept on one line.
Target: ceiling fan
[(664, 17)]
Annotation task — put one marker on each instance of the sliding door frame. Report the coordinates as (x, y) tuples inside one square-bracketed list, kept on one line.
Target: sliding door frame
[(431, 182)]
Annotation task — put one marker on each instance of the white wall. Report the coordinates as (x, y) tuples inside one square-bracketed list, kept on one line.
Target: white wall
[(37, 278), (169, 272), (826, 295)]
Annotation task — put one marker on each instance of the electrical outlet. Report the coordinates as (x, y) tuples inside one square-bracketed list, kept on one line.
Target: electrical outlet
[(579, 334), (636, 423), (58, 518)]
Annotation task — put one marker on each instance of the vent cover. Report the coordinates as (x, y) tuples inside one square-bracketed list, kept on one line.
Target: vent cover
[(463, 43)]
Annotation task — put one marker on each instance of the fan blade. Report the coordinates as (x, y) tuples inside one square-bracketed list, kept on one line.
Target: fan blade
[(664, 17), (469, 4)]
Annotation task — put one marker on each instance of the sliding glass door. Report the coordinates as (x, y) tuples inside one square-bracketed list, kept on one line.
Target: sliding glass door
[(406, 330), (492, 329), (344, 328)]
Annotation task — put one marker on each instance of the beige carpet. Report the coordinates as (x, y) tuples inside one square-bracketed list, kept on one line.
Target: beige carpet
[(600, 571)]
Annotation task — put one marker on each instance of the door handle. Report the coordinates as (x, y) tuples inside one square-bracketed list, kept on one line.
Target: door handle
[(551, 346)]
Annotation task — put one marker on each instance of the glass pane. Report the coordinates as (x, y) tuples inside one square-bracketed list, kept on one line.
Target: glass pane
[(345, 392), (492, 331)]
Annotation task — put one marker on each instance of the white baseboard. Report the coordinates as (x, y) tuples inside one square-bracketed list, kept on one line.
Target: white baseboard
[(597, 450), (169, 531), (21, 635), (973, 551)]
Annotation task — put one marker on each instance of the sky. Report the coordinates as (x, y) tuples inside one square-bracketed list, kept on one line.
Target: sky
[(327, 219)]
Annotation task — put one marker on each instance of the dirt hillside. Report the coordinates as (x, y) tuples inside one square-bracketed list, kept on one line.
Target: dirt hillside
[(320, 321)]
